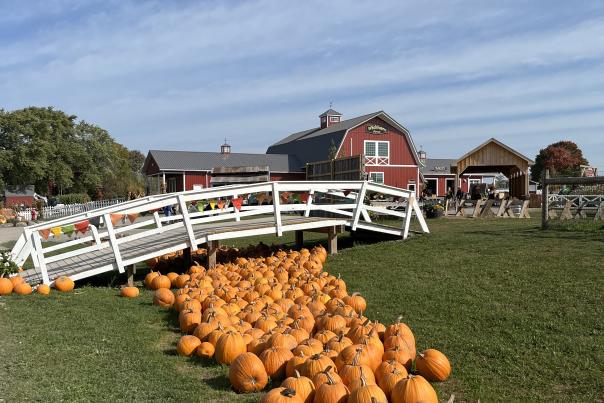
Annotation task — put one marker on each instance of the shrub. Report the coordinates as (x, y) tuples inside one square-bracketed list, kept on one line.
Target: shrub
[(73, 198)]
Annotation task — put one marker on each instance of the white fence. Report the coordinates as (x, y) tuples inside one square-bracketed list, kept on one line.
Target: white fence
[(50, 213)]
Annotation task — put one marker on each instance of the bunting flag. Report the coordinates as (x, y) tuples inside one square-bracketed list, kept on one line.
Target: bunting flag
[(132, 217), (212, 204), (346, 192), (96, 221), (82, 226), (45, 233), (56, 231), (285, 197), (68, 229), (237, 203), (296, 198), (304, 197), (221, 204), (153, 210), (200, 206), (116, 218)]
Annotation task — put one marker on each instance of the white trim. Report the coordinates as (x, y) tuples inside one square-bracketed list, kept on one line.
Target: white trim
[(391, 165), (377, 172)]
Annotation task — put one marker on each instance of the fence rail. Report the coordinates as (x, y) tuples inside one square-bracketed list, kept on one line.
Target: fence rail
[(50, 213)]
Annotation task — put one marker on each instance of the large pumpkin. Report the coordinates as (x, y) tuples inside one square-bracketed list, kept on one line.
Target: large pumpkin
[(367, 393), (247, 373), (275, 360), (161, 282), (230, 345), (281, 395), (163, 297), (129, 292), (303, 386), (414, 388), (64, 284), (187, 345), (6, 286), (43, 289), (22, 289), (433, 365), (331, 392)]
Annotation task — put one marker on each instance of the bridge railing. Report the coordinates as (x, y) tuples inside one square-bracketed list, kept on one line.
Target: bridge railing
[(113, 226)]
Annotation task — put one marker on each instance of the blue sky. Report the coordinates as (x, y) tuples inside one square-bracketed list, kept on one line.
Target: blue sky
[(185, 75)]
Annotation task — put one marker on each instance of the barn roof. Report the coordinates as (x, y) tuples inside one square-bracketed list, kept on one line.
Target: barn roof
[(206, 161), (314, 144), (437, 166)]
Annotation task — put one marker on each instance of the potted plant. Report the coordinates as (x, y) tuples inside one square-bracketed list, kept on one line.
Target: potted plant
[(7, 266), (434, 210)]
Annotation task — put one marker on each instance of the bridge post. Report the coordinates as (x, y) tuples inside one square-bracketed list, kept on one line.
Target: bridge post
[(130, 271), (186, 258), (299, 238), (332, 240), (212, 250)]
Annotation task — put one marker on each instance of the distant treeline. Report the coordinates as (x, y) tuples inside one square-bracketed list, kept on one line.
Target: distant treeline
[(59, 154)]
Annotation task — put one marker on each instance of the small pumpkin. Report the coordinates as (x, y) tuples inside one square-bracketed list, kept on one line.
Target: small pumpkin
[(163, 297), (43, 289), (433, 365), (22, 289), (16, 280), (205, 350), (187, 345), (303, 386), (331, 391), (413, 388), (247, 373), (367, 393), (129, 292), (64, 284), (6, 286), (161, 282), (281, 395)]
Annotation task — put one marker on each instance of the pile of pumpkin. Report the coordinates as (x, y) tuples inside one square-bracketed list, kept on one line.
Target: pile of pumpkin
[(284, 318), (17, 285)]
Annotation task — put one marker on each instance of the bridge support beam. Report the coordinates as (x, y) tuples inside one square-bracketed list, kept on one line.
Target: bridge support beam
[(187, 259), (299, 239), (332, 240), (212, 251), (130, 272)]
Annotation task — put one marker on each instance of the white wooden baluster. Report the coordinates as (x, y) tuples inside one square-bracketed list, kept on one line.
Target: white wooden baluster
[(309, 203), (277, 209), (38, 257), (359, 207), (95, 234), (157, 219), (187, 222), (113, 242)]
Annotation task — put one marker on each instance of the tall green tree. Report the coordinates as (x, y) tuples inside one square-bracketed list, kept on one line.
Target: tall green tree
[(563, 158)]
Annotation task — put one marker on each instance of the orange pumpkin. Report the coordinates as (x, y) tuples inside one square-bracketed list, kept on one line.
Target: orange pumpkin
[(275, 360), (303, 386), (247, 373), (187, 345), (16, 280), (331, 391), (205, 350), (414, 388), (281, 395), (367, 393), (64, 284), (161, 282), (433, 365), (43, 289), (129, 292), (22, 289), (163, 297), (6, 286), (230, 345)]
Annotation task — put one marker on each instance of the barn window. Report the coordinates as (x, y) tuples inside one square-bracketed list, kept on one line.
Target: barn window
[(377, 177), (377, 152)]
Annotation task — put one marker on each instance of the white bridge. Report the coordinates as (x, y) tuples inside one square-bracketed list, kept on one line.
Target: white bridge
[(116, 237)]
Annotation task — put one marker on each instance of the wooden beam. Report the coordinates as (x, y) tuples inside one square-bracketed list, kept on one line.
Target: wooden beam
[(544, 199), (299, 238), (212, 252), (332, 240), (130, 271)]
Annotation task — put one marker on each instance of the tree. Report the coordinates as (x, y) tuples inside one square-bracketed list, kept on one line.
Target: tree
[(563, 158)]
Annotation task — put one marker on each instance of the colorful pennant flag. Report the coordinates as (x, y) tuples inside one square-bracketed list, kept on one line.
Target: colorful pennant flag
[(237, 202), (45, 233), (285, 197), (82, 226), (56, 231), (304, 197), (261, 198), (96, 221), (212, 204), (346, 192), (296, 198), (200, 206), (116, 218), (68, 229), (221, 204), (132, 217)]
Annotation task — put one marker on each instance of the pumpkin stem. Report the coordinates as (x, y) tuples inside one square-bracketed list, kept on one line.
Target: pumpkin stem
[(297, 373), (398, 320), (363, 380), (288, 392)]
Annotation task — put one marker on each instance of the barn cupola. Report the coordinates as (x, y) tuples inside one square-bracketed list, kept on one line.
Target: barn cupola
[(421, 154), (329, 118), (225, 148)]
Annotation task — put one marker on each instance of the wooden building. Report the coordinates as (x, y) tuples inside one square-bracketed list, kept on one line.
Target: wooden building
[(438, 176)]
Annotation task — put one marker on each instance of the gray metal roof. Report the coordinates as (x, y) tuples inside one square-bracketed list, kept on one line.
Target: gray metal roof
[(205, 161), (18, 191), (313, 144), (330, 112), (438, 166)]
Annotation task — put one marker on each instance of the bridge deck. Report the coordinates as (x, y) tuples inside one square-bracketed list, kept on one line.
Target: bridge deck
[(142, 249)]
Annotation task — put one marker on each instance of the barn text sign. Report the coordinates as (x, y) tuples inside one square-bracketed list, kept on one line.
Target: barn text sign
[(376, 129)]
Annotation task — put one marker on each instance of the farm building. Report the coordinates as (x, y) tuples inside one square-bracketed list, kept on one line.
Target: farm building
[(389, 156), (21, 196)]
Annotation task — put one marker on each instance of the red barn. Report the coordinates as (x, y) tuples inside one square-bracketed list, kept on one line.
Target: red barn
[(389, 154)]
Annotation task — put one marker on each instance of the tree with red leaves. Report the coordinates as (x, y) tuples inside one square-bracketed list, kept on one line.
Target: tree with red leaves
[(563, 158)]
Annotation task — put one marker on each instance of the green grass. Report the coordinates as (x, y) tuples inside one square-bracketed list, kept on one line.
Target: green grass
[(518, 311)]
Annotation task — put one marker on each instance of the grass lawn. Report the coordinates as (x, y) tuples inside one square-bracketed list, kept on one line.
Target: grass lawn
[(519, 312)]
